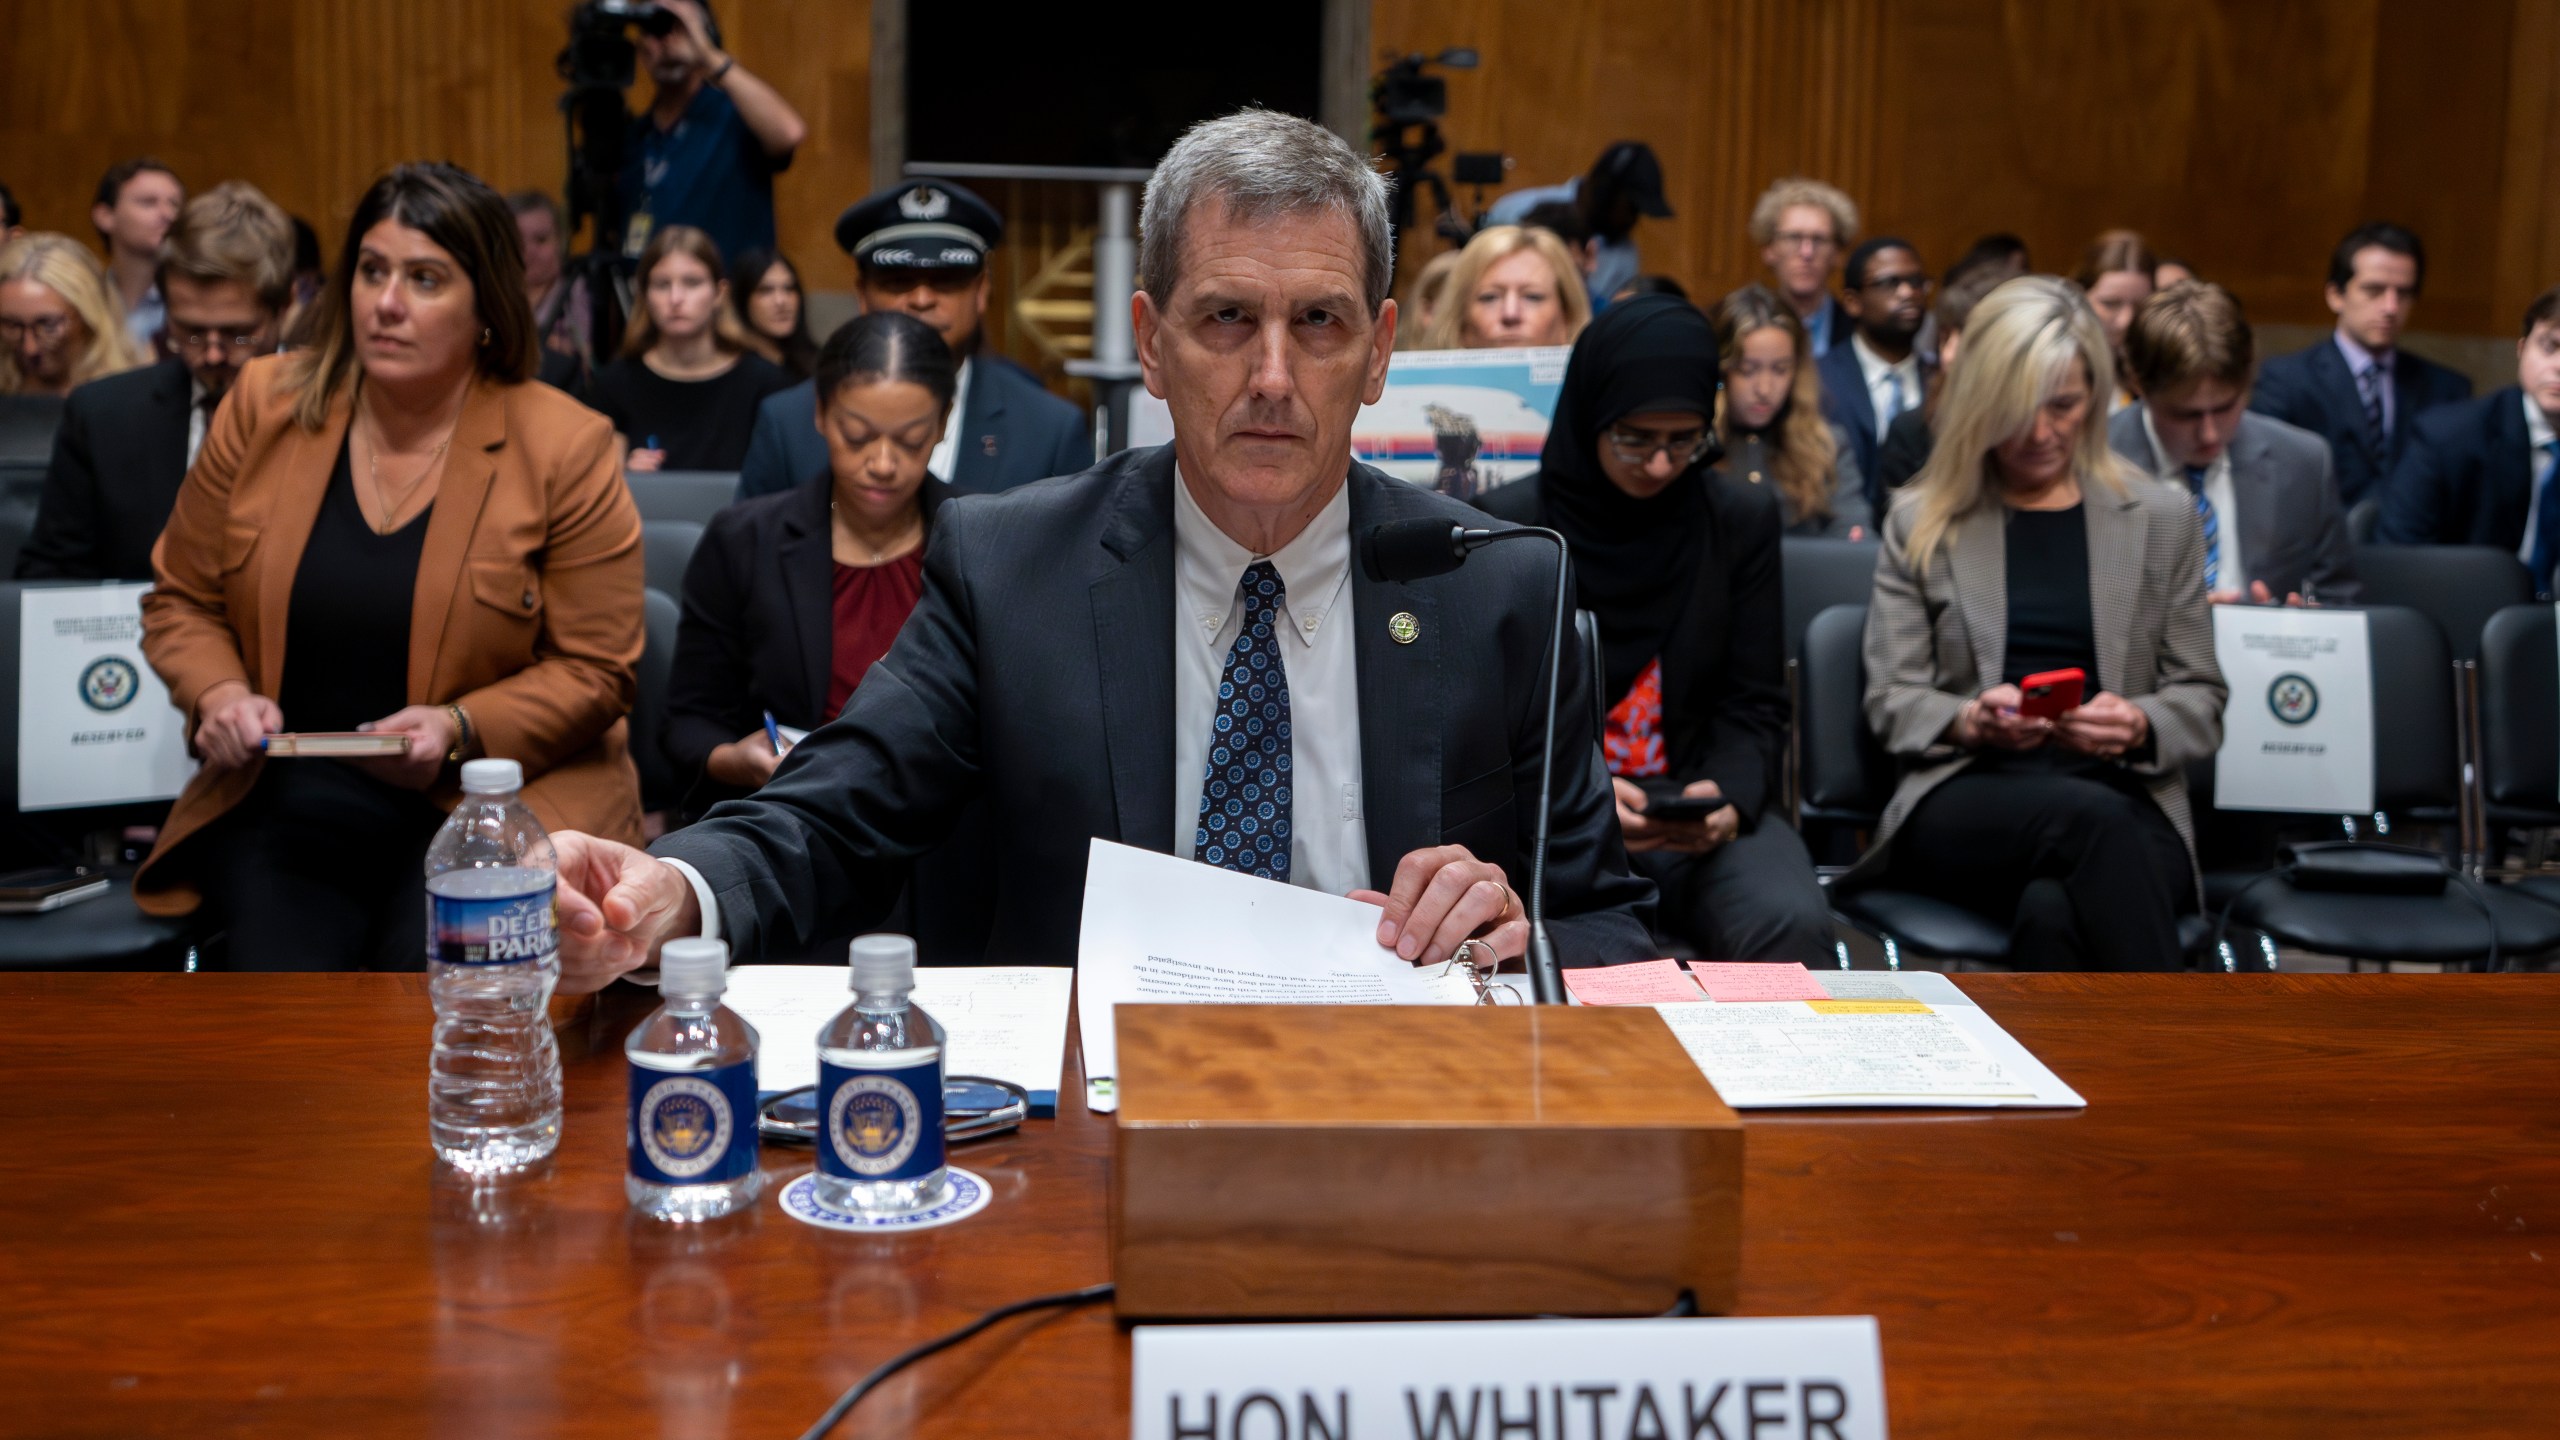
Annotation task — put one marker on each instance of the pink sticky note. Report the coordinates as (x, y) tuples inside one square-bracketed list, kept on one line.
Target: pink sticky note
[(1728, 981), (1647, 982)]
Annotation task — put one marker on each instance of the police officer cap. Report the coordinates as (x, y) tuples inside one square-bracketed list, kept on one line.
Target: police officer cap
[(921, 225)]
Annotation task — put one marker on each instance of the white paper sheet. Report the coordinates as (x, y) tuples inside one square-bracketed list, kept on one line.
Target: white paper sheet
[(1781, 1054), (1162, 930), (2297, 735), (1002, 1023)]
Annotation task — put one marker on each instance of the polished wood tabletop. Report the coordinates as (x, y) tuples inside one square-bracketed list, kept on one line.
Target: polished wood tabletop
[(2296, 1205)]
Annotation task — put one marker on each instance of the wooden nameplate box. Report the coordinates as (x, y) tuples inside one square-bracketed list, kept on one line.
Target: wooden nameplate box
[(1382, 1160)]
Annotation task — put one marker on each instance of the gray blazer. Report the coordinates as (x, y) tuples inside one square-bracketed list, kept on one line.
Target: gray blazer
[(1939, 637), (2293, 531)]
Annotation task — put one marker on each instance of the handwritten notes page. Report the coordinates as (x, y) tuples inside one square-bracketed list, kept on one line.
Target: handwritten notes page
[(1649, 982), (1162, 930)]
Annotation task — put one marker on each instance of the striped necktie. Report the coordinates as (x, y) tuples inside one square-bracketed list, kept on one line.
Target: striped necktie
[(2375, 376), (2212, 529)]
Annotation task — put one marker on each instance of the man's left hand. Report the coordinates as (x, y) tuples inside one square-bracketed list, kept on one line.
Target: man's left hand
[(1443, 897)]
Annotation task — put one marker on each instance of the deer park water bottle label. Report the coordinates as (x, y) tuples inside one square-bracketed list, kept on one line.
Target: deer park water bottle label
[(880, 1124), (492, 930), (693, 1127)]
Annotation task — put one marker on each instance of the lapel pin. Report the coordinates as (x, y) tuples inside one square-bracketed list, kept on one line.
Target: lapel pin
[(1403, 628)]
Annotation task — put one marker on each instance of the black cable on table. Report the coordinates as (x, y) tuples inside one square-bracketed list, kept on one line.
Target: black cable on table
[(844, 1406)]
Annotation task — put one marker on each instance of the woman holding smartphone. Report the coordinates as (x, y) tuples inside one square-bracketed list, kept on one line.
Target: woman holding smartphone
[(1679, 564), (2027, 552)]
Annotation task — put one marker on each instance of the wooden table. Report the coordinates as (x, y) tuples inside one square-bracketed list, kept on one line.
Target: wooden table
[(2304, 1205)]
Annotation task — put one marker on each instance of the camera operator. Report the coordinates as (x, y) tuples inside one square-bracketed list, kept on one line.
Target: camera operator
[(706, 150)]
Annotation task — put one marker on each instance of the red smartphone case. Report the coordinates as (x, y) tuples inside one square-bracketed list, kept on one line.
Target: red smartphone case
[(2048, 695)]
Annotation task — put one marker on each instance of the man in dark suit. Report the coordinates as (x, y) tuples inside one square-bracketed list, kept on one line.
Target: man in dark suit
[(1088, 651), (2480, 473), (2358, 389), (1877, 377), (922, 248), (226, 275), (2263, 490)]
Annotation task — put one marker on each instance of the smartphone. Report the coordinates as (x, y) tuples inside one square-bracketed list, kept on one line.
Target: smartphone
[(1667, 803), (2047, 696)]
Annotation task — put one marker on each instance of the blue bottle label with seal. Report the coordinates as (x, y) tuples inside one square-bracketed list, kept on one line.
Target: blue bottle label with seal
[(880, 1124), (693, 1127), (491, 930)]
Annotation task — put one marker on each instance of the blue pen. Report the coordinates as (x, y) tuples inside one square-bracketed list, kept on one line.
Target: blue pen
[(773, 733)]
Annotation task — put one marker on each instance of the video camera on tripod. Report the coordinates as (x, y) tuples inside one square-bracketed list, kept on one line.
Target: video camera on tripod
[(1410, 105)]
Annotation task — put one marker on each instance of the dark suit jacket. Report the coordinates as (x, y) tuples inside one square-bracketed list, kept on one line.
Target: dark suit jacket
[(2293, 531), (1907, 444), (1012, 432), (1724, 690), (1846, 404), (117, 462), (2466, 478), (1039, 671), (2314, 389)]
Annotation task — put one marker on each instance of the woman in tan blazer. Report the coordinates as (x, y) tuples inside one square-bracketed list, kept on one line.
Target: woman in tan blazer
[(391, 531), (2025, 546)]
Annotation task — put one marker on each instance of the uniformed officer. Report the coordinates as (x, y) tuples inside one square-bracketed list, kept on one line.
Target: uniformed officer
[(922, 248)]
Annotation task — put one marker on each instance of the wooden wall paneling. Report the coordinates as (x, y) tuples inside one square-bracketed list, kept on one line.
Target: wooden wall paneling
[(2528, 215)]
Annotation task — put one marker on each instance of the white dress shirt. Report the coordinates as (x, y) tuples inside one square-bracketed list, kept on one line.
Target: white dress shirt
[(1328, 836), (2538, 433), (1891, 387), (197, 418), (947, 449), (2232, 571)]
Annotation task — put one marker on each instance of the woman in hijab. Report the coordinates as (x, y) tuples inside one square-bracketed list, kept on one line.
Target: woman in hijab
[(1680, 566)]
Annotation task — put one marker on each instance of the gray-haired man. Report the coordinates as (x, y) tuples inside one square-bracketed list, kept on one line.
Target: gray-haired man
[(1175, 650)]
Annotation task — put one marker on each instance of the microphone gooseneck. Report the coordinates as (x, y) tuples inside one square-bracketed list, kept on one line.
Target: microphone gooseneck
[(1403, 550)]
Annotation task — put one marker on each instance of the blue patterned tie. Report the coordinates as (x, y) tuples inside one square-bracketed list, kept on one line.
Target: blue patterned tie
[(2546, 517), (1244, 797), (2212, 530), (2375, 376)]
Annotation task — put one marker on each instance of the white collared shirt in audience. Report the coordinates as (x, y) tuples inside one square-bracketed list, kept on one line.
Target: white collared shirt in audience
[(1892, 387)]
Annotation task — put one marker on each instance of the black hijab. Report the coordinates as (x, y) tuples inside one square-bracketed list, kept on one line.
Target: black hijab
[(1634, 561)]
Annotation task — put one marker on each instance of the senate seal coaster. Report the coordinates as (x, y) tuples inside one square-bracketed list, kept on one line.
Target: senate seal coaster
[(963, 1195)]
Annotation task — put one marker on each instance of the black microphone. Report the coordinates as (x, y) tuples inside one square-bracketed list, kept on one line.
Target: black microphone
[(1402, 550)]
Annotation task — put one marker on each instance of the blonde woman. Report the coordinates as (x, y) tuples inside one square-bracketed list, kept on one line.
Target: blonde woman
[(1769, 418), (2026, 546), (685, 392), (1512, 285), (61, 324)]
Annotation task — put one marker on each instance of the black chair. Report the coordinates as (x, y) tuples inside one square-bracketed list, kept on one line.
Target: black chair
[(661, 788), (27, 423), (694, 495), (21, 491), (1818, 574), (107, 933), (2416, 767), (1586, 631), (2520, 717), (2457, 586), (26, 426), (1849, 779), (2361, 518), (666, 549)]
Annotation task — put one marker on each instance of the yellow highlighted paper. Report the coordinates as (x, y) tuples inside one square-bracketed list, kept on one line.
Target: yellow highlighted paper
[(1867, 1007)]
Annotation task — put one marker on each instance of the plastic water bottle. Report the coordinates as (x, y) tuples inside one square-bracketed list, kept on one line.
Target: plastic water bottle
[(693, 1093), (880, 1090), (493, 1079)]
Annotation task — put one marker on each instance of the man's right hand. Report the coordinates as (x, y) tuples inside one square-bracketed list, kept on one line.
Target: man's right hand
[(233, 725), (617, 906)]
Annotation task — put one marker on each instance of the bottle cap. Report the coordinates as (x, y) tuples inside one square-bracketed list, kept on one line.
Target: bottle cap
[(491, 777), (693, 966), (883, 962)]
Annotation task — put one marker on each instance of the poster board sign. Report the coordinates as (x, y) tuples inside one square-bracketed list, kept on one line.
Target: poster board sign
[(95, 726), (2297, 734), (1462, 422)]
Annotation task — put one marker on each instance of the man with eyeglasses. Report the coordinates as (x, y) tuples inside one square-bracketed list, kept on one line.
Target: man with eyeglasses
[(226, 277), (1801, 226), (1871, 381)]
